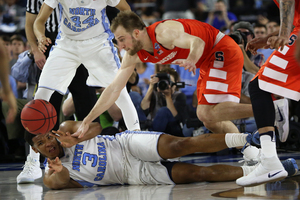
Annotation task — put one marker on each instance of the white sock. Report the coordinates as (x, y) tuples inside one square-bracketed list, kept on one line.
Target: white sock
[(235, 139), (268, 147), (129, 113), (247, 169), (34, 155)]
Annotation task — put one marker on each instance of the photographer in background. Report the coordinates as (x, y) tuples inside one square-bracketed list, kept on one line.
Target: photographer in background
[(243, 33), (219, 17), (163, 104)]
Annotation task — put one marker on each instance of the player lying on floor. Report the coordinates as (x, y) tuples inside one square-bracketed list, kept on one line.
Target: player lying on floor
[(130, 157)]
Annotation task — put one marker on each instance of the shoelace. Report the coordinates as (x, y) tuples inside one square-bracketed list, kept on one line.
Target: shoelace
[(28, 167)]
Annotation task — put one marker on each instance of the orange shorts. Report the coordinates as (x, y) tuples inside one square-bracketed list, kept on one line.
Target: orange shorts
[(281, 72), (220, 77)]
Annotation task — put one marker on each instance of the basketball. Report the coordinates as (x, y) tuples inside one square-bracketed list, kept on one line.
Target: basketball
[(38, 116)]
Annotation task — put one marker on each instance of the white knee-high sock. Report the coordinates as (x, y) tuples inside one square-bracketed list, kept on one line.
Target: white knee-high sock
[(268, 144), (34, 155), (128, 111)]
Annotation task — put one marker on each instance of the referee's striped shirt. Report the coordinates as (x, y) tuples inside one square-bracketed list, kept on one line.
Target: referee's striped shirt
[(52, 24)]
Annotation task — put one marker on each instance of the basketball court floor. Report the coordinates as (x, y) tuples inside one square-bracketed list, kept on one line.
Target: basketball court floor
[(285, 189)]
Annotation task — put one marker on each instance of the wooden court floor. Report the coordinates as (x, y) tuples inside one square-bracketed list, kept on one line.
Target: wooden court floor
[(285, 189)]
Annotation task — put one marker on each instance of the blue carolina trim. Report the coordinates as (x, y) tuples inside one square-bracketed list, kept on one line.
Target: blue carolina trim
[(105, 23), (109, 137), (60, 7), (115, 52), (106, 26), (140, 132), (45, 163)]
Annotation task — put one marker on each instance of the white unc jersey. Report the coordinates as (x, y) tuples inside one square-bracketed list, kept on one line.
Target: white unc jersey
[(83, 19), (98, 161)]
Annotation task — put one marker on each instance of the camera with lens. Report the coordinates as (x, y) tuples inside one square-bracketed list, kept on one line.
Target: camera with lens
[(218, 12), (239, 37), (165, 81)]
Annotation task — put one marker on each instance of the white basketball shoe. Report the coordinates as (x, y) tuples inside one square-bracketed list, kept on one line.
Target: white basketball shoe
[(31, 171), (268, 170)]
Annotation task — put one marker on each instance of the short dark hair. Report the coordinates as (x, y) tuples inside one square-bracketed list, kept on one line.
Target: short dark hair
[(18, 38), (28, 138), (258, 25), (5, 38), (129, 20), (172, 72)]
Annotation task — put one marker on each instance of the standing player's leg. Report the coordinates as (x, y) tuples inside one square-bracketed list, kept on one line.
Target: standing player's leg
[(218, 116), (279, 75), (218, 91), (270, 168)]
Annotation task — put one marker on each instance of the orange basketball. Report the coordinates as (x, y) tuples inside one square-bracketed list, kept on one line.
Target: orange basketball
[(38, 116)]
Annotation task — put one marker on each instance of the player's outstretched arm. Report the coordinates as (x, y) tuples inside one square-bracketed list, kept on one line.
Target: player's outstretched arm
[(39, 27), (58, 177), (39, 57), (67, 128), (7, 95), (110, 94)]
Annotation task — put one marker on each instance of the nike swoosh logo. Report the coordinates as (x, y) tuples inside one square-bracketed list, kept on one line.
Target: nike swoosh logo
[(280, 115), (146, 58), (271, 175)]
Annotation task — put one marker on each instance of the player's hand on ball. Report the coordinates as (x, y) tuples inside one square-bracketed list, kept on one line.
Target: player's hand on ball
[(55, 165), (83, 128), (66, 140)]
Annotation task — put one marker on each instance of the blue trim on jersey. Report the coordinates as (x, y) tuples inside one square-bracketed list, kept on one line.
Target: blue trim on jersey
[(60, 7), (109, 137), (114, 51), (105, 23), (140, 132), (106, 26), (45, 162)]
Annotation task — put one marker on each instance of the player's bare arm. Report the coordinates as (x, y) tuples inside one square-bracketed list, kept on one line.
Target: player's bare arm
[(39, 57), (123, 5), (6, 93), (171, 34), (39, 27), (67, 128), (110, 94), (58, 177), (287, 11)]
